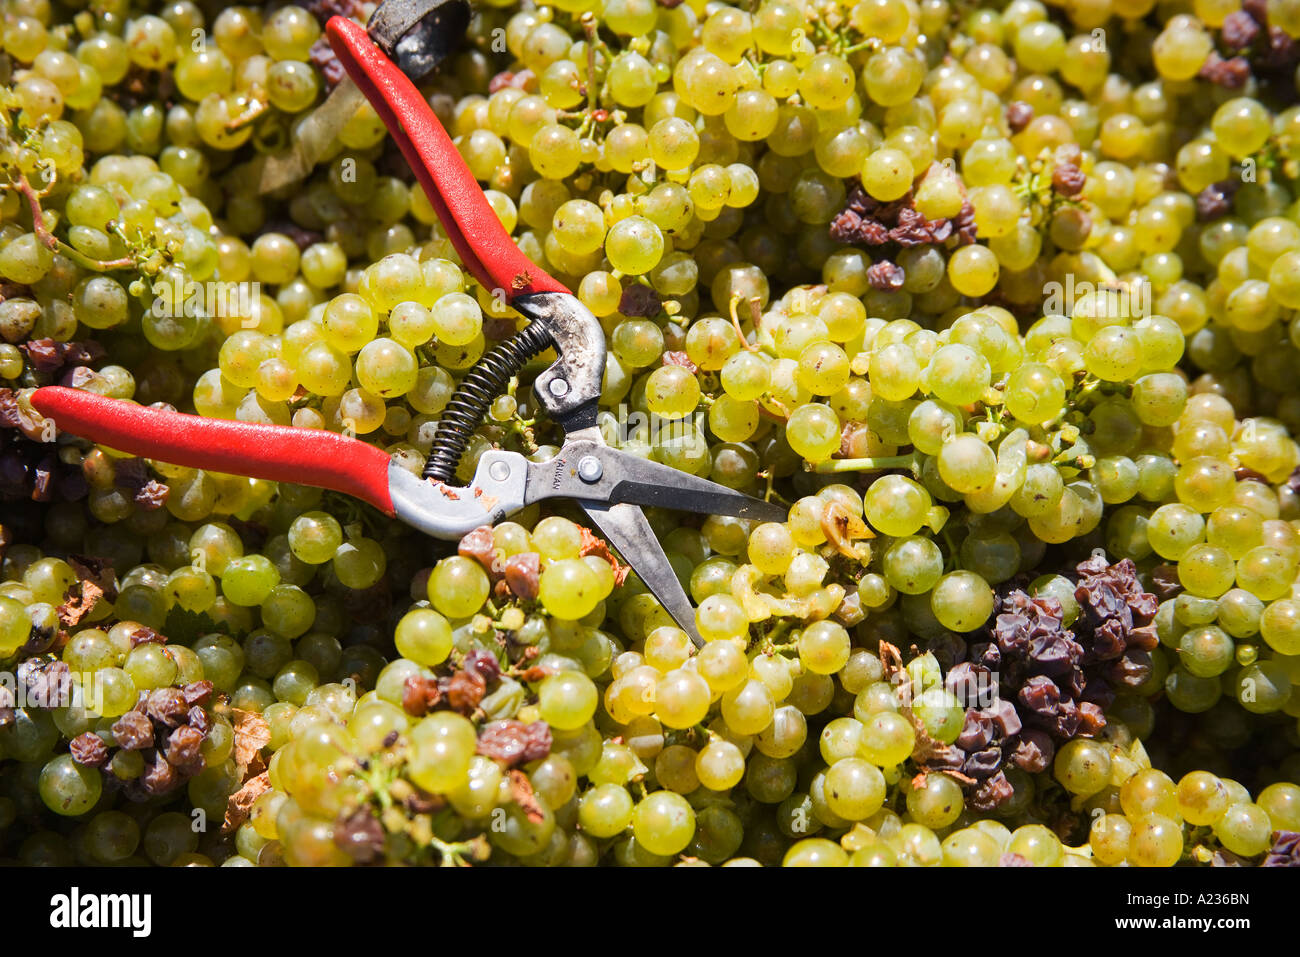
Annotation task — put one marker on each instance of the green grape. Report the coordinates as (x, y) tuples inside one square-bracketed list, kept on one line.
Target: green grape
[(360, 563), (386, 368), (1035, 394), (967, 464), (1155, 841), (1279, 626), (1244, 829), (672, 392), (248, 580), (813, 431), (1266, 572), (887, 174), (569, 589), (315, 537), (896, 505), (1263, 687), (958, 374), (936, 803), (887, 739), (1174, 530), (1082, 767), (68, 788), (663, 823), (1202, 798)]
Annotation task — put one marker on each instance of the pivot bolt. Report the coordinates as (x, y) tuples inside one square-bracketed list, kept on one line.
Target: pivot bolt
[(558, 387), (590, 469), (500, 471)]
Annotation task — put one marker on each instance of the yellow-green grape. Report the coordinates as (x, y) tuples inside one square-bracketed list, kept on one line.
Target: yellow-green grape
[(771, 547), (386, 368), (748, 708), (674, 143), (442, 748), (458, 587), (672, 392), (1202, 798), (973, 270), (936, 803), (1155, 841), (1109, 838), (723, 665), (567, 700), (1114, 354), (1244, 829), (634, 245), (1279, 626), (1263, 687), (967, 464), (605, 810), (913, 565), (1082, 766), (895, 372), (1149, 791), (1174, 530), (887, 174), (823, 369), (569, 589), (721, 617), (941, 714), (579, 225), (1035, 394), (423, 636), (1266, 572), (1281, 801), (350, 323), (15, 625), (1206, 570), (720, 765), (733, 420), (555, 151), (1037, 844), (854, 789), (813, 431), (457, 319), (824, 647), (682, 699), (663, 823), (896, 505), (958, 375), (746, 375), (887, 739), (68, 788)]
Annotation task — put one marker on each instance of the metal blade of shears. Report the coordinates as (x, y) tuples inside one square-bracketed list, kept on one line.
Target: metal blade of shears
[(587, 469), (626, 528)]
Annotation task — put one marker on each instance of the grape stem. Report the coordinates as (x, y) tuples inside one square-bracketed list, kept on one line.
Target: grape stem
[(878, 464), (735, 320), (53, 243)]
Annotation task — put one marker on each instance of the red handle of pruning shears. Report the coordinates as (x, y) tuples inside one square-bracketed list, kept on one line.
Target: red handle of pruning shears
[(275, 452), (484, 246)]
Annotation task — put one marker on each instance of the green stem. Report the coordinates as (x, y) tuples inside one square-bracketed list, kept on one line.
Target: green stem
[(835, 466)]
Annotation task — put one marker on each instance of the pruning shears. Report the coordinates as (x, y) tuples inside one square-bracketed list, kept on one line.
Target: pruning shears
[(610, 485)]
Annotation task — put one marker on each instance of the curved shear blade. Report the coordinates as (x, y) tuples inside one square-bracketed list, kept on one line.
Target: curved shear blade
[(628, 531), (591, 471)]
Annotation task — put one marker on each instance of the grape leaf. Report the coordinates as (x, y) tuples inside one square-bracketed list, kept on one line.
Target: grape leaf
[(185, 627)]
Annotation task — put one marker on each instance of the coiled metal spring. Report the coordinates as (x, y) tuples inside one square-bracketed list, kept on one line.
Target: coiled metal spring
[(469, 405)]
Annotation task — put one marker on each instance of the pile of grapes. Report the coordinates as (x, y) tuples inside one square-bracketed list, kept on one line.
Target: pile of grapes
[(998, 298)]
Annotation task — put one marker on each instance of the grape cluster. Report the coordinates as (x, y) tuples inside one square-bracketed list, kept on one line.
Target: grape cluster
[(999, 300)]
